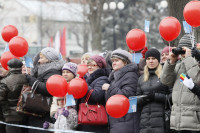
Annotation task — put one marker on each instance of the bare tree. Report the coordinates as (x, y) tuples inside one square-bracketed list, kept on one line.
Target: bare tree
[(95, 13), (176, 10)]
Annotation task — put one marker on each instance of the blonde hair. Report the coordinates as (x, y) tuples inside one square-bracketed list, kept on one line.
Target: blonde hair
[(157, 72)]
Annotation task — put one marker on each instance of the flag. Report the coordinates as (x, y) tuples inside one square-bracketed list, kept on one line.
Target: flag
[(6, 48), (133, 104), (146, 26), (136, 57), (187, 27), (70, 100), (28, 61), (63, 42), (50, 44), (57, 42)]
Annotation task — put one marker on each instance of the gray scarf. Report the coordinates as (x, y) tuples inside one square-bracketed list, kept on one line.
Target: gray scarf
[(41, 68)]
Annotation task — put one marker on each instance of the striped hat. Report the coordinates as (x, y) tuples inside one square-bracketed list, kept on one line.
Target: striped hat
[(186, 41)]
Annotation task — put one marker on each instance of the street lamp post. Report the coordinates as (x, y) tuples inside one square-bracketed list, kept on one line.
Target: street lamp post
[(113, 6)]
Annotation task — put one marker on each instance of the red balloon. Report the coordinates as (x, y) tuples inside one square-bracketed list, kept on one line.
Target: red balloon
[(9, 32), (18, 46), (82, 69), (169, 28), (191, 13), (117, 106), (136, 39), (5, 57), (78, 87), (57, 86)]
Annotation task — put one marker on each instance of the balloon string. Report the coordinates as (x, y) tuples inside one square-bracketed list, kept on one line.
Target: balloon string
[(169, 47), (192, 39), (25, 66), (134, 56), (192, 36)]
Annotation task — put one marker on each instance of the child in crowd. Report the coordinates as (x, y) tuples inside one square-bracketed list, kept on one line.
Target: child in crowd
[(66, 117)]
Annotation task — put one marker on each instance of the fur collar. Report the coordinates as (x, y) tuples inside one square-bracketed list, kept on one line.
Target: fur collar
[(96, 74), (116, 75)]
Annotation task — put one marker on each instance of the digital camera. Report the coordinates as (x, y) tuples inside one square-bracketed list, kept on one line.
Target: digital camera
[(178, 51)]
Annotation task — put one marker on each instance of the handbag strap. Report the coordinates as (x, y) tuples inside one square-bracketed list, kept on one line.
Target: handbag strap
[(88, 95), (34, 86)]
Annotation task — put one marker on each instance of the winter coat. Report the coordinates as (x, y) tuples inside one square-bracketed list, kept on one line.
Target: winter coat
[(152, 112), (186, 105), (95, 82), (65, 123), (124, 82), (10, 89), (42, 72)]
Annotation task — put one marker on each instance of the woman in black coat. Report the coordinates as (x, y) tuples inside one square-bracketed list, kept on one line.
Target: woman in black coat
[(96, 77), (155, 95), (46, 63), (123, 80)]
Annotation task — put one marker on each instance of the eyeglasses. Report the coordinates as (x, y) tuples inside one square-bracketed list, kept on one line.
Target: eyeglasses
[(91, 65)]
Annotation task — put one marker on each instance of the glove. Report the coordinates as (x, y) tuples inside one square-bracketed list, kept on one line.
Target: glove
[(195, 53), (144, 51), (149, 97), (65, 113), (46, 125), (187, 81), (30, 79)]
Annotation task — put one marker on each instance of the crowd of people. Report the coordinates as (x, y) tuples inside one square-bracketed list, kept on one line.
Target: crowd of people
[(167, 84)]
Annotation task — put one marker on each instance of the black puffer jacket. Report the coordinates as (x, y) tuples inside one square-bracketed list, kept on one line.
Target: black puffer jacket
[(124, 82), (152, 114), (10, 89)]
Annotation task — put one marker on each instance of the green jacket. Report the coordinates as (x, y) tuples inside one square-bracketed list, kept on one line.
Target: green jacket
[(185, 113)]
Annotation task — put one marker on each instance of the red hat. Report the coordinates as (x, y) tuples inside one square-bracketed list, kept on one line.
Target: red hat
[(166, 49), (101, 62)]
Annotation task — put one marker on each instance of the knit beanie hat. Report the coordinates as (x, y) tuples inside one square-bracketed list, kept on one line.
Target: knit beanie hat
[(152, 52), (15, 63), (72, 67), (50, 53), (101, 62), (166, 49), (122, 54), (186, 41)]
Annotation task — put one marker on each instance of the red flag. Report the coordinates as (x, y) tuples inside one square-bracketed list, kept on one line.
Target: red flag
[(50, 44), (63, 42)]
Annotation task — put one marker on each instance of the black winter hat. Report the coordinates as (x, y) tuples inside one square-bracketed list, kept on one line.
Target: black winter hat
[(15, 63), (152, 52)]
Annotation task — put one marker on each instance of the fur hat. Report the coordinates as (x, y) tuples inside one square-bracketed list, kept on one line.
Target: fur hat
[(15, 63), (186, 41), (72, 67), (152, 52), (101, 62), (50, 53), (122, 54)]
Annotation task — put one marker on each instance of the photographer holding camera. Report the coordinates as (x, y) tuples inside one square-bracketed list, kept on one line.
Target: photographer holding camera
[(185, 109)]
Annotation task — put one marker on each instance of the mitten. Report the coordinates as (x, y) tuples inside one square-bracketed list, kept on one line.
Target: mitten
[(195, 53), (144, 51), (65, 113), (30, 79), (149, 97), (46, 125), (187, 81)]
